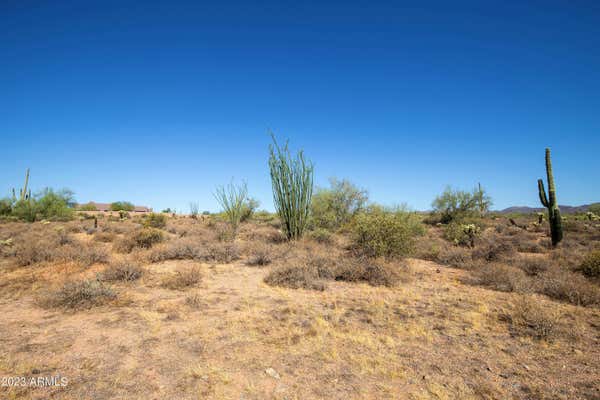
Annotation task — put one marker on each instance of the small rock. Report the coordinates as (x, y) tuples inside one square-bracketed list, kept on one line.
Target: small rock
[(272, 373)]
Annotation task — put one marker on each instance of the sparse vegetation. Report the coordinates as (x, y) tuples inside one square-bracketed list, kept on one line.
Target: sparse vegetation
[(335, 206), (183, 279), (125, 271), (233, 199), (78, 295), (122, 206), (155, 220)]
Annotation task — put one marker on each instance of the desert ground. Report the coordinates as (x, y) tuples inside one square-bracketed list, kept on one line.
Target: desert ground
[(188, 311)]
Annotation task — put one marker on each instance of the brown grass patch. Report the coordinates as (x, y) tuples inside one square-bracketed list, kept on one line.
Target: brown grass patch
[(78, 295), (125, 271), (182, 279)]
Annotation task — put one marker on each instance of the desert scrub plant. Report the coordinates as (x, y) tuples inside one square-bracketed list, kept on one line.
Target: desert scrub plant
[(155, 220), (591, 264), (462, 234), (125, 271), (182, 279), (385, 233), (551, 203), (334, 207), (232, 198), (375, 273), (503, 278), (143, 238), (295, 277), (292, 181), (122, 206), (260, 256), (321, 235), (456, 204), (78, 294), (529, 318)]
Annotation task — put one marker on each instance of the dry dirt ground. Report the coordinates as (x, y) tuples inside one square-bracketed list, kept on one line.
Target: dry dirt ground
[(231, 336)]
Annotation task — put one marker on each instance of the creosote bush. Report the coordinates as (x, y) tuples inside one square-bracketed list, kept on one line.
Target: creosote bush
[(381, 233)]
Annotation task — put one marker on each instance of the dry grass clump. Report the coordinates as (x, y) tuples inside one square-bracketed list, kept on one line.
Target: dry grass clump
[(79, 294), (182, 279), (375, 273), (260, 256), (532, 266), (493, 249), (503, 278), (321, 235), (125, 271), (183, 249), (561, 284), (143, 238), (529, 318), (34, 249), (454, 256), (295, 277), (104, 237), (221, 253)]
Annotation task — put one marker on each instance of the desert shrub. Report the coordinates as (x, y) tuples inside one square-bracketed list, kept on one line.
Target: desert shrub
[(321, 235), (175, 250), (232, 199), (591, 264), (333, 207), (155, 220), (493, 249), (221, 253), (532, 266), (529, 318), (143, 238), (295, 277), (381, 233), (79, 294), (84, 254), (182, 279), (457, 204), (33, 249), (530, 247), (561, 284), (104, 237), (371, 272), (5, 206), (292, 182), (502, 277), (248, 209), (87, 207), (122, 206), (461, 233), (458, 257), (122, 271), (261, 256)]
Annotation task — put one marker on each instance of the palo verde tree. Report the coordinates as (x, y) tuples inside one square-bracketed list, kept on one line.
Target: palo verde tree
[(550, 202), (292, 180)]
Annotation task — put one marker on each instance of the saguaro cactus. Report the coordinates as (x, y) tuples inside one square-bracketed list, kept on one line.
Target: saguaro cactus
[(23, 193), (550, 202)]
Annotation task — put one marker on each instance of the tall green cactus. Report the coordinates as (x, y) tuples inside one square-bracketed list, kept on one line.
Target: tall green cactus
[(550, 202), (23, 193), (292, 181)]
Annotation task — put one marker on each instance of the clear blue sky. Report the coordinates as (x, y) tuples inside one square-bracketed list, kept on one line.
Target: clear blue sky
[(159, 102)]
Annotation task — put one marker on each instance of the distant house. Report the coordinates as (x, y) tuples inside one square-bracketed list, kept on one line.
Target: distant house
[(105, 207)]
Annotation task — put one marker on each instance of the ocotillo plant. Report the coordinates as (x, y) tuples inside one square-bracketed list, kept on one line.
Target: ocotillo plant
[(292, 180), (232, 198), (23, 193), (550, 202)]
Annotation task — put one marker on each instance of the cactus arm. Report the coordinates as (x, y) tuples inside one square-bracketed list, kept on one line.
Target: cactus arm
[(550, 175), (24, 190), (542, 193)]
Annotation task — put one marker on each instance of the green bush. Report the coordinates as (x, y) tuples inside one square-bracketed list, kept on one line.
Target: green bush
[(462, 233), (49, 204), (122, 206), (233, 199), (87, 207), (248, 209), (321, 235), (456, 204), (385, 233), (5, 206), (594, 208), (591, 264), (336, 206), (154, 220)]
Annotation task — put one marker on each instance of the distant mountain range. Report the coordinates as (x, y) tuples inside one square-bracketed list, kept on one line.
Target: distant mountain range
[(529, 210)]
